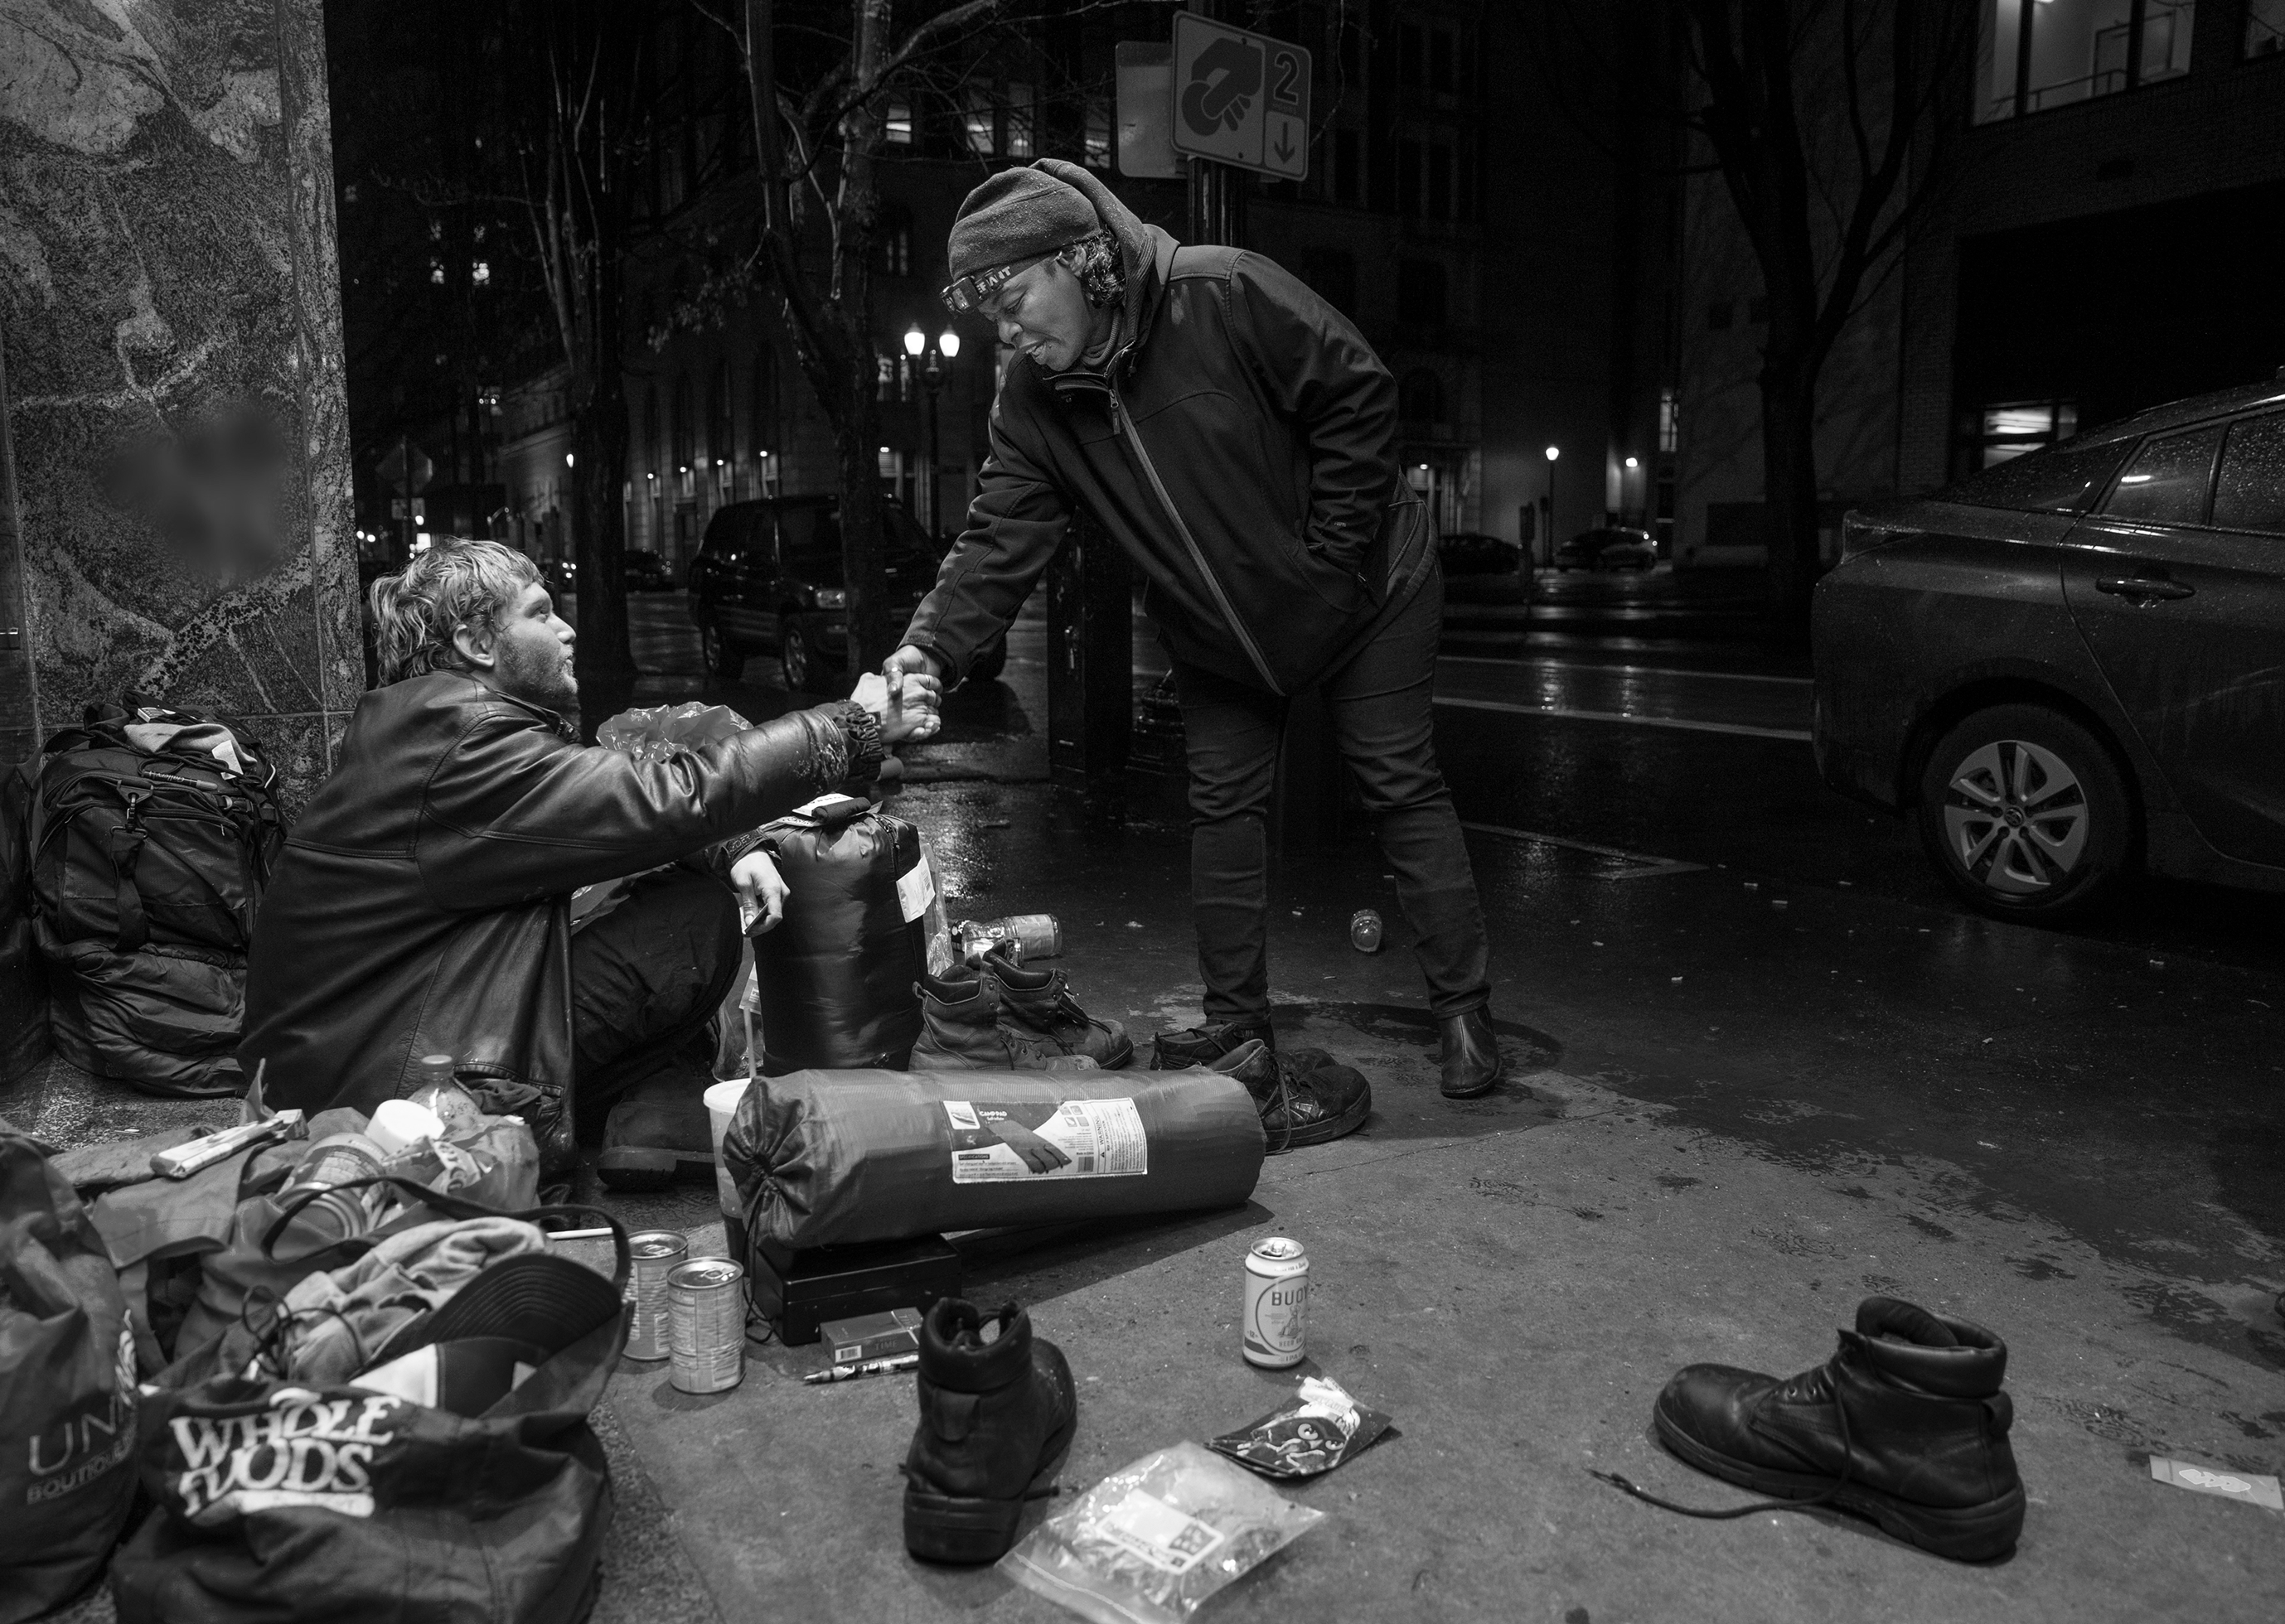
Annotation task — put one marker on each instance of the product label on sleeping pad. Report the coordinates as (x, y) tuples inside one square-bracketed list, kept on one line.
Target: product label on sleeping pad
[(1080, 1138)]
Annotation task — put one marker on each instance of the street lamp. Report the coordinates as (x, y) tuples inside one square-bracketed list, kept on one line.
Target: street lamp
[(1553, 451), (933, 375)]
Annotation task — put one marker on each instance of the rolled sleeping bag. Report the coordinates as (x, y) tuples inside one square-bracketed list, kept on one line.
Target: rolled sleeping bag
[(822, 1158), (834, 982)]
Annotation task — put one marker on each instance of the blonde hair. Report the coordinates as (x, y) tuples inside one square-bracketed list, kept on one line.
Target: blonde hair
[(458, 582)]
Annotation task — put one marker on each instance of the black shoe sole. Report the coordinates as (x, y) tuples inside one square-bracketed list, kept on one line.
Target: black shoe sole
[(1968, 1534), (1498, 1077), (970, 1530), (1325, 1128), (633, 1169)]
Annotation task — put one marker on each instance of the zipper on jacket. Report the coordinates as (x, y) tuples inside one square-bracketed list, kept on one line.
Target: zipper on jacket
[(1221, 599)]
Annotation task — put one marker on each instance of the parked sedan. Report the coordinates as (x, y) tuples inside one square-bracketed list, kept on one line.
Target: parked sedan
[(2069, 663), (647, 572), (769, 577), (1610, 546)]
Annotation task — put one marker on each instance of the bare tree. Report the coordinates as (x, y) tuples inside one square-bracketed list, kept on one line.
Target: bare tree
[(1825, 208), (819, 153), (573, 150), (1834, 124)]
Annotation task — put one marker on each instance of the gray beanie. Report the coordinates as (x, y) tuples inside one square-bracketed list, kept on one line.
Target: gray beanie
[(1016, 214)]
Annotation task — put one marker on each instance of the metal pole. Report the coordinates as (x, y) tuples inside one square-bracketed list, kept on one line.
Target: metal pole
[(935, 380)]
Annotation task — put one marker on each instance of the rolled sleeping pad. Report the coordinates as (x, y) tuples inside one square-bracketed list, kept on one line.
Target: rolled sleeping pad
[(821, 1158)]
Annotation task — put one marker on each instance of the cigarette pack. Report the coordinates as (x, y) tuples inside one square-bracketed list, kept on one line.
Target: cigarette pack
[(872, 1336)]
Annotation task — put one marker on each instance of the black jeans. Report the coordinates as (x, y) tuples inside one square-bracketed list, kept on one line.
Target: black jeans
[(1380, 703), (646, 979)]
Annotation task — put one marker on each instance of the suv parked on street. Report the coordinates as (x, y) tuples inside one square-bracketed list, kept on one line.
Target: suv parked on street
[(2071, 663), (768, 577)]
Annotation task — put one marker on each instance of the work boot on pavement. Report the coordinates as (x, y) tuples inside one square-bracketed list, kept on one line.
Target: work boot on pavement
[(1203, 1046), (1042, 1002), (1470, 1057), (658, 1132), (1905, 1424), (998, 1410), (966, 1026), (1304, 1099)]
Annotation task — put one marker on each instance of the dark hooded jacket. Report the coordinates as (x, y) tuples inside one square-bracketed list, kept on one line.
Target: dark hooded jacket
[(1240, 444), (421, 906)]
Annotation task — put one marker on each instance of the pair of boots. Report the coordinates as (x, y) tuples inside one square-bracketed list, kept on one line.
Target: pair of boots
[(996, 1015), (1468, 1057), (1906, 1425)]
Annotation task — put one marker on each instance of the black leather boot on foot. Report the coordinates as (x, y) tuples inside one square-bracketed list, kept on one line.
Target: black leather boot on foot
[(658, 1132), (1302, 1102), (997, 1416), (1905, 1424), (1471, 1055), (1203, 1046)]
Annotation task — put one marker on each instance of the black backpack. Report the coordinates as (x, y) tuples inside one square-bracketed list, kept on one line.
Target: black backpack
[(149, 853)]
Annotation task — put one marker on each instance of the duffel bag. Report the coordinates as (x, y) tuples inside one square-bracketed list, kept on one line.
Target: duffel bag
[(443, 1483), (67, 1404), (23, 987), (151, 834), (836, 982), (823, 1157)]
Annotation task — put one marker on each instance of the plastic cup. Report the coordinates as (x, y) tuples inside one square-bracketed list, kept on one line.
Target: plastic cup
[(721, 1104)]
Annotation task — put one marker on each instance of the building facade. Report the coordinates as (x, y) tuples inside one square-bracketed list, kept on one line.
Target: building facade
[(2110, 238)]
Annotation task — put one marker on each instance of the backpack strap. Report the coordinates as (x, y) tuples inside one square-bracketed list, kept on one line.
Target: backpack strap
[(123, 844)]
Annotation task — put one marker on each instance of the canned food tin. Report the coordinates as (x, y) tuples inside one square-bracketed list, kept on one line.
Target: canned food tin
[(652, 1256), (1276, 1323), (1026, 937), (1364, 931), (706, 1314)]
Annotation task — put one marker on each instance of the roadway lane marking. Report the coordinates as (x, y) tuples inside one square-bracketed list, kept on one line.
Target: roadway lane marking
[(1645, 867), (1688, 726), (1631, 671)]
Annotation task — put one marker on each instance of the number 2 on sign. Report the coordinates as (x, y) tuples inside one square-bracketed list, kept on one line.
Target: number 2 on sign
[(1286, 64)]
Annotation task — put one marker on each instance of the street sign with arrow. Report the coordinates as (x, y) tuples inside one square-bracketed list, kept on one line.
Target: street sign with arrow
[(1241, 98)]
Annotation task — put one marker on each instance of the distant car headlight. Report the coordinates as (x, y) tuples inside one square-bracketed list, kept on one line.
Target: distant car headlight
[(832, 597)]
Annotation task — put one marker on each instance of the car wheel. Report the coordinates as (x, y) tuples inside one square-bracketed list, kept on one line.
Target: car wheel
[(723, 657), (990, 664), (2025, 813), (799, 656)]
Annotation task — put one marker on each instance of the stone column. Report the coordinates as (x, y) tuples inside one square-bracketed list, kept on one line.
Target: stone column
[(176, 435)]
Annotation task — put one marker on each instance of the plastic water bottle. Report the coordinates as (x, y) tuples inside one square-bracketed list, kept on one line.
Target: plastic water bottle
[(1364, 931)]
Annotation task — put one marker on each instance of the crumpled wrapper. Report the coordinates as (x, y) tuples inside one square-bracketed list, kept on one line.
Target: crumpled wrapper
[(1309, 1434)]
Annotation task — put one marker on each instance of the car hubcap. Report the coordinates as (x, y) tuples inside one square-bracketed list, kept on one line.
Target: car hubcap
[(2015, 817)]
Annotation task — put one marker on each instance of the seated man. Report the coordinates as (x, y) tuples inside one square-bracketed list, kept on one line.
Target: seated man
[(421, 905)]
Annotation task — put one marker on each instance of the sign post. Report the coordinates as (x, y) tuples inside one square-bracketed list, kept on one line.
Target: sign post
[(404, 467)]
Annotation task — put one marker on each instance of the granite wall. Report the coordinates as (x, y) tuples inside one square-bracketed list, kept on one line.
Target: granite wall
[(171, 350)]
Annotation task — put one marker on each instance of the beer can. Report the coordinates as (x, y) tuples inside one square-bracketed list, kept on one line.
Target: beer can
[(1276, 1323), (706, 1324), (1364, 931), (337, 1158), (1025, 937), (652, 1256)]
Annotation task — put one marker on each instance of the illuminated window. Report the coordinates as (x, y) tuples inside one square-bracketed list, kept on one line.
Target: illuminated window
[(1098, 133), (480, 273), (900, 128), (978, 122), (436, 271), (2265, 33), (1670, 422), (2038, 54), (1019, 121)]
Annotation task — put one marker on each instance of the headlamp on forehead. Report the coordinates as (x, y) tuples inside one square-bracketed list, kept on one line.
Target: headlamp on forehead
[(967, 293)]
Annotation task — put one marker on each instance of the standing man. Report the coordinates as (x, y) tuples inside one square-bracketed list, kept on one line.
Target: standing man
[(1238, 437)]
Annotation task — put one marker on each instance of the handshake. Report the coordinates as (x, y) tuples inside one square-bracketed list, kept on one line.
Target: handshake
[(904, 696)]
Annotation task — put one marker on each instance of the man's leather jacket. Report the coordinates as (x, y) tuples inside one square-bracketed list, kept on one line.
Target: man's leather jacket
[(421, 904)]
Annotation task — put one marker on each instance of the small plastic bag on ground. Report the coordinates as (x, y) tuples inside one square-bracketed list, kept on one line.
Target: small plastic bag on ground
[(1309, 1434), (1156, 1538)]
